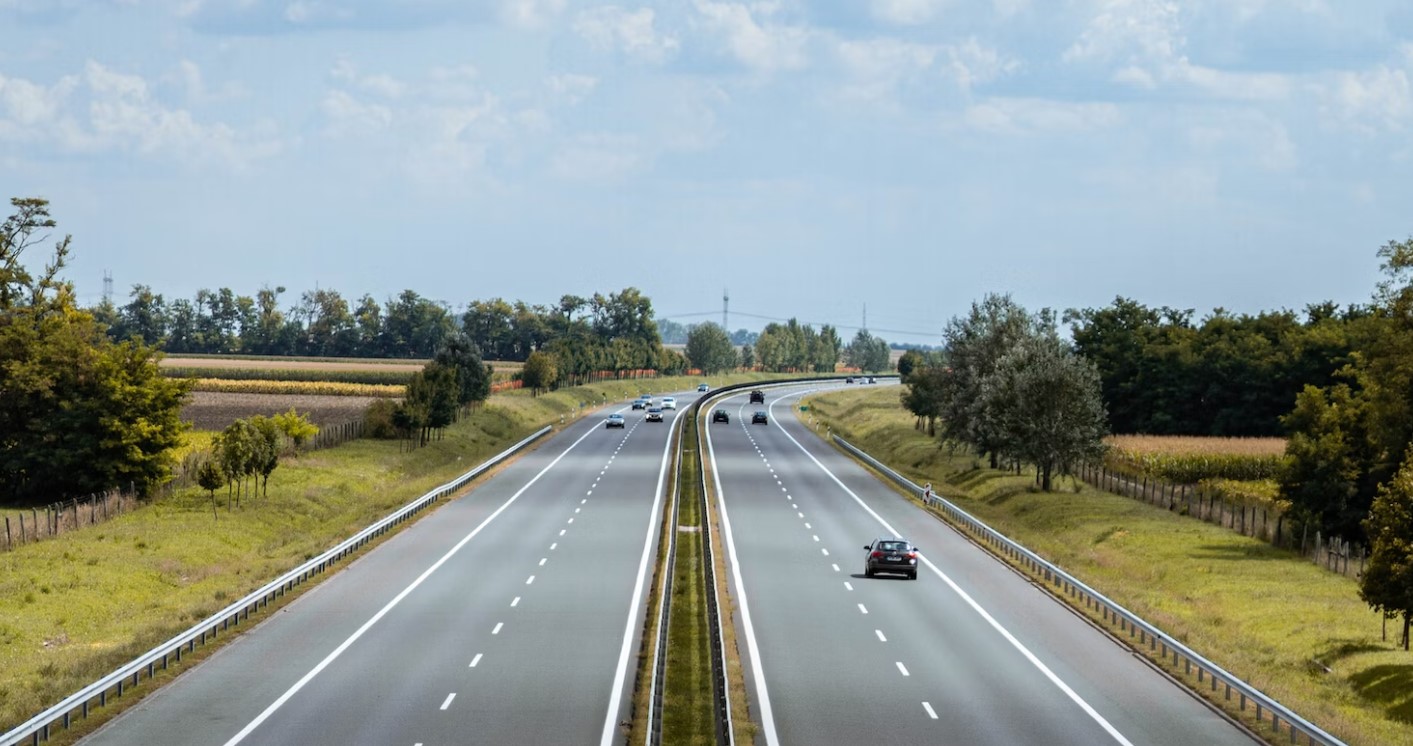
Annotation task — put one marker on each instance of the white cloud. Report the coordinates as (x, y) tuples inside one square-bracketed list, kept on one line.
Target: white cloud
[(629, 31), (907, 12), (349, 116), (973, 63), (598, 158), (104, 110), (531, 14), (1130, 32), (571, 88), (1380, 99), (1040, 116), (763, 47)]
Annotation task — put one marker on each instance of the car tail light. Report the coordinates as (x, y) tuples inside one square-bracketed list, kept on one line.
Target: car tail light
[(876, 554), (910, 555)]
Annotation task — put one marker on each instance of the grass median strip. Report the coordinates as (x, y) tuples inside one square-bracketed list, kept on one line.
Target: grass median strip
[(688, 711), (1287, 627)]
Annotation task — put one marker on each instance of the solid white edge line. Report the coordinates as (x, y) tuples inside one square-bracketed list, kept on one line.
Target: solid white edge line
[(1005, 633), (610, 724), (767, 714), (346, 644)]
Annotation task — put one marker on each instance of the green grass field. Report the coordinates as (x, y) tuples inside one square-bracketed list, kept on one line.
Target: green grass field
[(1293, 630), (76, 607)]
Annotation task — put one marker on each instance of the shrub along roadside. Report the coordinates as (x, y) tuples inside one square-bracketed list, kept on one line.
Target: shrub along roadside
[(1298, 633), (75, 608)]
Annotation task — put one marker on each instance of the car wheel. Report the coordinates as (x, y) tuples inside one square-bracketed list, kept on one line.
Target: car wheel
[(868, 572), (912, 575)]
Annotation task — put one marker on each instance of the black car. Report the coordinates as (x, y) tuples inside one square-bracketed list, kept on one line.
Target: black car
[(654, 414), (850, 379), (720, 415), (757, 397), (640, 404), (891, 555), (759, 418)]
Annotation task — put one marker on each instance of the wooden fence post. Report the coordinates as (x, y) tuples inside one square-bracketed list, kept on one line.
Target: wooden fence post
[(9, 543)]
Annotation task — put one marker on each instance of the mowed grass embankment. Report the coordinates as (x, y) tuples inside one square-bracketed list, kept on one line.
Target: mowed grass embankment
[(77, 607), (1289, 628)]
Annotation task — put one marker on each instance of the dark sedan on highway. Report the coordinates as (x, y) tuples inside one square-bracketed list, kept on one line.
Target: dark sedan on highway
[(760, 418), (890, 555)]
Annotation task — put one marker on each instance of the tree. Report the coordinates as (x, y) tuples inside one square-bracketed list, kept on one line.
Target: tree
[(867, 352), (296, 427), (1045, 406), (210, 478), (1387, 582), (909, 362), (236, 449), (924, 393), (748, 356), (973, 348), (79, 413), (266, 451), (1329, 452), (540, 372), (710, 349), (473, 377)]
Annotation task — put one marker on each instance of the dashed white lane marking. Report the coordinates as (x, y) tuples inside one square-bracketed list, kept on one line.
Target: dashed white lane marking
[(576, 510), (590, 492), (543, 560), (782, 489), (554, 546), (930, 712), (863, 609), (836, 567), (807, 525), (515, 602), (980, 611), (881, 638), (826, 551), (530, 580), (585, 500), (903, 669), (802, 515), (496, 631), (816, 537), (449, 698), (571, 520), (847, 585), (404, 593)]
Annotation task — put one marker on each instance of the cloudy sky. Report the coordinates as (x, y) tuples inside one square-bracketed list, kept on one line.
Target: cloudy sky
[(811, 158)]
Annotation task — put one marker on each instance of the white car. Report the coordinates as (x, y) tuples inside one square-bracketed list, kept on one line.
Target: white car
[(669, 402)]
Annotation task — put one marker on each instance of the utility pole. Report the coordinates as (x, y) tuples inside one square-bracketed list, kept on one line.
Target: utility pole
[(865, 317)]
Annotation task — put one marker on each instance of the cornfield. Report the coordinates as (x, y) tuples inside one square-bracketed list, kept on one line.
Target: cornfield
[(314, 388), (1189, 460), (394, 377)]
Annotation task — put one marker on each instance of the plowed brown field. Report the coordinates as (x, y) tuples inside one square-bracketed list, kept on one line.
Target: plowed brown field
[(207, 410)]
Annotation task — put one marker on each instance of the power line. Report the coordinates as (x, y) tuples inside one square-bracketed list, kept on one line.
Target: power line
[(763, 317)]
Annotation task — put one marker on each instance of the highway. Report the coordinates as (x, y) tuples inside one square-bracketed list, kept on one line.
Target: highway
[(513, 615), (510, 614), (969, 653)]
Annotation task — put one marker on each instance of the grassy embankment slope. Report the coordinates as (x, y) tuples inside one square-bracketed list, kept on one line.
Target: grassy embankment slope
[(77, 607), (1284, 625)]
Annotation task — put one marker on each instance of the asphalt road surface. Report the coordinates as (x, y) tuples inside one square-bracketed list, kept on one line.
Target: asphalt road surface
[(508, 616), (969, 653)]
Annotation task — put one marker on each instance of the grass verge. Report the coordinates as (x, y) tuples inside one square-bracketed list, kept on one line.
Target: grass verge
[(74, 608), (1289, 628)]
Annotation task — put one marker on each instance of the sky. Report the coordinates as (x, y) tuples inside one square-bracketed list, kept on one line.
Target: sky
[(894, 160)]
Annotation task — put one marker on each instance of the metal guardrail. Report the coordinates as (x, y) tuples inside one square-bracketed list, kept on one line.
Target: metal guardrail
[(1139, 632), (37, 729)]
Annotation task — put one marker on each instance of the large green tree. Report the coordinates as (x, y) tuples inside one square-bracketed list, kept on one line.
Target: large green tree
[(710, 349), (79, 413), (1045, 406), (1387, 582)]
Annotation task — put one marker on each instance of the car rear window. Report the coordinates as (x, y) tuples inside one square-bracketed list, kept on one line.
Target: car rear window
[(892, 546)]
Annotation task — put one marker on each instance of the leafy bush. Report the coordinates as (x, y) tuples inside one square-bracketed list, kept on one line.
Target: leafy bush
[(378, 420)]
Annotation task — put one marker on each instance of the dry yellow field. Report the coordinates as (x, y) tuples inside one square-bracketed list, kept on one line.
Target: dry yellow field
[(1195, 445)]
